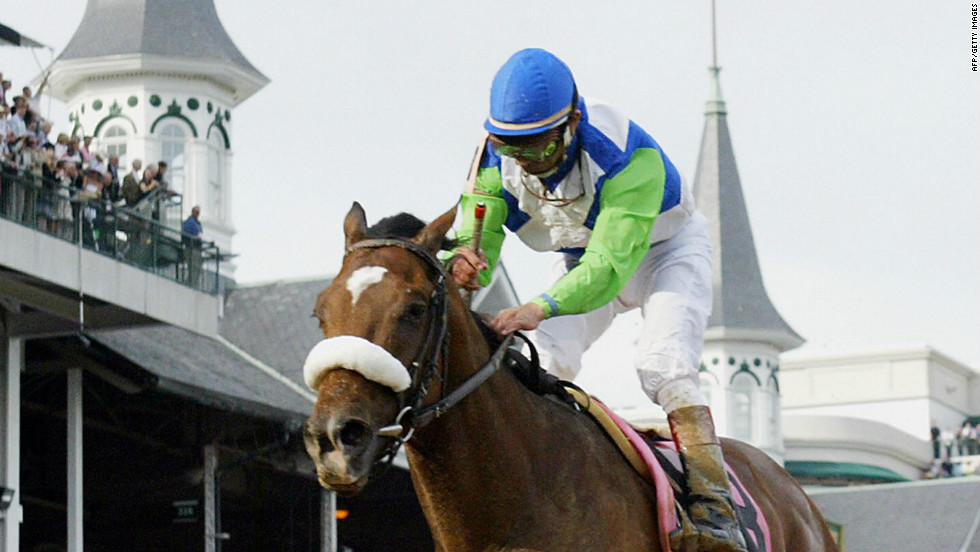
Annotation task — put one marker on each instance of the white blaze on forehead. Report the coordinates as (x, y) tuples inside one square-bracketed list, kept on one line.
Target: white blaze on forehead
[(360, 355), (363, 278)]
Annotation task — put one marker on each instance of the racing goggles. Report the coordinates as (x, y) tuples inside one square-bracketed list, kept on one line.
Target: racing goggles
[(536, 153)]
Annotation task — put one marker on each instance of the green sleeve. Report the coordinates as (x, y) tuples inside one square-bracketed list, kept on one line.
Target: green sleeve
[(628, 207), (490, 191)]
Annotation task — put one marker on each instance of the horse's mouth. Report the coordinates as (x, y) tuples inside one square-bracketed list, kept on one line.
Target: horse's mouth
[(342, 436), (345, 484)]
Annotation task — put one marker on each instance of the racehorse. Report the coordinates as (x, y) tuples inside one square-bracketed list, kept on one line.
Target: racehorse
[(496, 466)]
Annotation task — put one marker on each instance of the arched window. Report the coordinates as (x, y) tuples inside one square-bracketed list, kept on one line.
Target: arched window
[(173, 140), (115, 142), (740, 407), (216, 175)]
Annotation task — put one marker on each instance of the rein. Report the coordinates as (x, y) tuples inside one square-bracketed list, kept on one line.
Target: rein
[(433, 351), (424, 415)]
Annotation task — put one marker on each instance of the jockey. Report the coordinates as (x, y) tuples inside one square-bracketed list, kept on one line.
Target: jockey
[(572, 175)]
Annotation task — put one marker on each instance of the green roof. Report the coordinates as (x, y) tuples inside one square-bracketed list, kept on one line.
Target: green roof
[(841, 470)]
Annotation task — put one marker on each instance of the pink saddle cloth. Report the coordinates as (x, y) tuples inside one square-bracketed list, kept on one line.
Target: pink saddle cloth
[(755, 528)]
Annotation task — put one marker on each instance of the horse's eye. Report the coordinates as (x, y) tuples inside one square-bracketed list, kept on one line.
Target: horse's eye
[(414, 312)]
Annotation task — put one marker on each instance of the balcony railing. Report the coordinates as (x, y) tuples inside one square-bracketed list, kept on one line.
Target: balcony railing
[(147, 236)]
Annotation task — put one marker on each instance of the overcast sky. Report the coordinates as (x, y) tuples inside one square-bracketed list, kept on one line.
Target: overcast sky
[(856, 129)]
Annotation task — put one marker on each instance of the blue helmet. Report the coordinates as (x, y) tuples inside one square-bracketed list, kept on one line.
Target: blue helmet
[(531, 93)]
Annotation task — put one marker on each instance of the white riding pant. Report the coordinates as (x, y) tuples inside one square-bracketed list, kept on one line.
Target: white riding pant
[(673, 289)]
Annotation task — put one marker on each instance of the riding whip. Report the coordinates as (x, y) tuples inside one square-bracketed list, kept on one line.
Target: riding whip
[(479, 212)]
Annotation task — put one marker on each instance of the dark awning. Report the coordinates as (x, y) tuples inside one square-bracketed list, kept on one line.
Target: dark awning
[(211, 371)]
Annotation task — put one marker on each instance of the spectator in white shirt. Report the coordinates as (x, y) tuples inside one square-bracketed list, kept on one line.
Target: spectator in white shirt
[(16, 122)]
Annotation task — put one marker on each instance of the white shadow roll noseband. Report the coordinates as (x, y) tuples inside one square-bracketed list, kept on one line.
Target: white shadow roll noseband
[(358, 354)]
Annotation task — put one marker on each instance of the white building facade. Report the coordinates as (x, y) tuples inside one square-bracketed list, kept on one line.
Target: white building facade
[(874, 407)]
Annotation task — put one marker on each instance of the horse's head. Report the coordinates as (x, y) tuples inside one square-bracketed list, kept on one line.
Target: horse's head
[(383, 319)]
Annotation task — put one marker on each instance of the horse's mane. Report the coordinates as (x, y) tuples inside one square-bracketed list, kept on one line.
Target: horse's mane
[(404, 226)]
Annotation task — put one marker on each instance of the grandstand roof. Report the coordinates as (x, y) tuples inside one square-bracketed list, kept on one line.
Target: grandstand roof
[(940, 514), (254, 365)]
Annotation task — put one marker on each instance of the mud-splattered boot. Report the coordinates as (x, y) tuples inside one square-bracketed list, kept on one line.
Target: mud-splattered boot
[(709, 502)]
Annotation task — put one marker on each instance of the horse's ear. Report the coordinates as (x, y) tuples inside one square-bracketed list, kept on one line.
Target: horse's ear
[(431, 236), (355, 225)]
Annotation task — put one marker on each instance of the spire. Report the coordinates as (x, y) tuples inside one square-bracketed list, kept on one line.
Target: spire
[(184, 28), (155, 36), (742, 309), (715, 103)]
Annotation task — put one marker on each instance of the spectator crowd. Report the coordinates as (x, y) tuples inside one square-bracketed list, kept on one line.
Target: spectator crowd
[(59, 183), (62, 185)]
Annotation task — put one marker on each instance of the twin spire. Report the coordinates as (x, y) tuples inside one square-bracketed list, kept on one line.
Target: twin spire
[(742, 309)]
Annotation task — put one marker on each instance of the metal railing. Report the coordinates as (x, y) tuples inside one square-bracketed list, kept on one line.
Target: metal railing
[(149, 238), (162, 206)]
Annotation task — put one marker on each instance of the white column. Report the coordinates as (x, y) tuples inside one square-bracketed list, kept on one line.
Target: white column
[(10, 440), (210, 503), (196, 175), (226, 186), (328, 521), (75, 490)]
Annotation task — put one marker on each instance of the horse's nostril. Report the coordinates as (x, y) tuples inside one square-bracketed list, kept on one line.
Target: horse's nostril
[(324, 443), (352, 434)]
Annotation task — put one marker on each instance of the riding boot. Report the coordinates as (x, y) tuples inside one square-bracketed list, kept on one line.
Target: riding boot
[(709, 501)]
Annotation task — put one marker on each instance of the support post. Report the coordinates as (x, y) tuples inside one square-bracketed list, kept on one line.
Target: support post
[(75, 464), (11, 365), (210, 498), (328, 521)]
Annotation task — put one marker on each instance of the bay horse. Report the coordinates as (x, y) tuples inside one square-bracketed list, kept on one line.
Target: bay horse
[(495, 466)]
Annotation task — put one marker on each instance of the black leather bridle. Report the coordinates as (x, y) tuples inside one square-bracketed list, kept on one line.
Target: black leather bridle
[(432, 353)]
